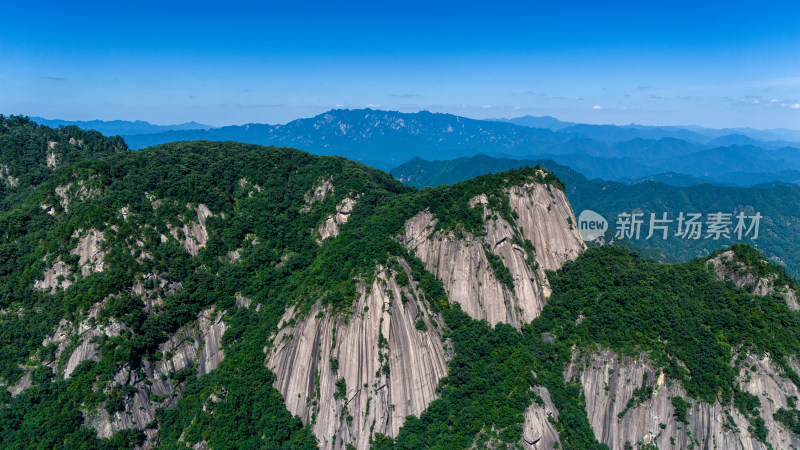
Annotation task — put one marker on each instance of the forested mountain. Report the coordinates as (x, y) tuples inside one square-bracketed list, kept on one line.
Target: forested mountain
[(779, 205), (227, 295), (774, 138), (385, 139), (117, 127)]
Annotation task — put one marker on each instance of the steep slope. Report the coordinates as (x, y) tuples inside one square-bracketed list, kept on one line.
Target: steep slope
[(111, 304), (185, 296), (746, 268), (679, 355), (380, 361), (31, 155), (144, 289), (614, 387), (778, 205), (498, 274)]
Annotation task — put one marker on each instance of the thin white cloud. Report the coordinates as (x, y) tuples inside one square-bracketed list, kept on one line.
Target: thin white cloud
[(596, 107), (795, 106)]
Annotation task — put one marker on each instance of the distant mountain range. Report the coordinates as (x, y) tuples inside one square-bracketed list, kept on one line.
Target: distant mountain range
[(774, 138), (121, 127), (779, 205), (628, 154)]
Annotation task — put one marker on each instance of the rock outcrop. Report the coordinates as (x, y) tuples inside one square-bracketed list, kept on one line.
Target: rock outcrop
[(322, 190), (57, 276), (195, 234), (71, 192), (759, 376), (5, 175), (196, 345), (330, 227), (78, 340), (465, 266), (545, 217), (537, 430), (91, 256), (51, 159), (608, 382), (727, 267), (362, 372), (91, 259)]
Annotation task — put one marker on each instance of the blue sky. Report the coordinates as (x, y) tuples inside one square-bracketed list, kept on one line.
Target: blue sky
[(718, 64)]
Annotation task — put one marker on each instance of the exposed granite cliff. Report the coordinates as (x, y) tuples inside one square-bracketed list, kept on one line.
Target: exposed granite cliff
[(608, 382), (330, 227), (5, 175), (727, 267), (363, 371), (544, 218), (90, 259), (194, 234), (196, 346), (537, 430)]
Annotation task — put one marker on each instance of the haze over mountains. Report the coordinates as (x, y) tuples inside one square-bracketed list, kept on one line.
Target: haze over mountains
[(607, 168), (780, 205), (386, 139), (225, 295), (120, 127)]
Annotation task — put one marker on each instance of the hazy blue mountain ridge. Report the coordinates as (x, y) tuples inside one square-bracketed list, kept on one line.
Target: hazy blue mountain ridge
[(119, 127), (779, 205), (385, 139)]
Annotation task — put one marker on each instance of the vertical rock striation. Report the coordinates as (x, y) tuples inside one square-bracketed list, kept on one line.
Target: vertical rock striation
[(608, 382), (362, 372), (463, 263)]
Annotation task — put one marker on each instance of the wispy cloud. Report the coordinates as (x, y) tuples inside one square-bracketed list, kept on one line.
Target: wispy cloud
[(46, 77), (596, 107)]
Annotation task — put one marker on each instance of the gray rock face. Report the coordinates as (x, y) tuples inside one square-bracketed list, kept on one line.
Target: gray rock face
[(759, 376), (5, 175), (21, 385), (70, 192), (322, 190), (537, 431), (464, 268), (389, 353), (330, 227), (154, 288), (608, 382), (547, 220), (80, 334), (195, 345), (56, 276), (194, 232), (51, 159), (727, 268), (90, 259)]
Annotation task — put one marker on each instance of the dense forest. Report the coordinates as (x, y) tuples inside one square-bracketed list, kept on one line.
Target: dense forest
[(262, 244)]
